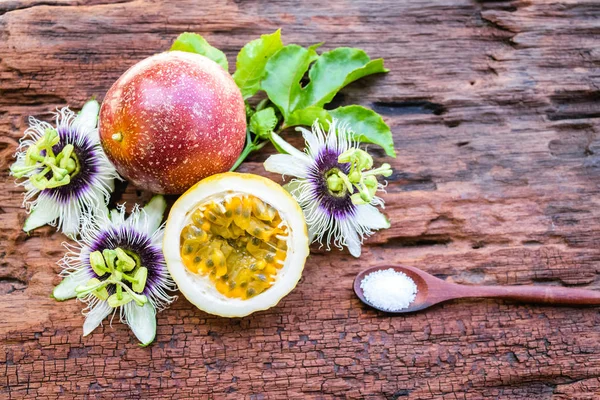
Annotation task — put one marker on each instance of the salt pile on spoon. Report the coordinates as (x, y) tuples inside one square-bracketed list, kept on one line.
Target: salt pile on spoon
[(388, 289)]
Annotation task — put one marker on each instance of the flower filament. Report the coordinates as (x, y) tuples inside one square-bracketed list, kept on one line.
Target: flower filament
[(40, 156), (121, 267), (360, 177)]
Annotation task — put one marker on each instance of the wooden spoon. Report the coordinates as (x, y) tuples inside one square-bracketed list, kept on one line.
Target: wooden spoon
[(432, 290)]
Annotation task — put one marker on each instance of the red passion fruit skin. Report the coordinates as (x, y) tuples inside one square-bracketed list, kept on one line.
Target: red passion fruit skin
[(172, 120)]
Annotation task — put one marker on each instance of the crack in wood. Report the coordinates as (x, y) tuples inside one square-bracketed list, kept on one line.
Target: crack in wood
[(408, 107), (19, 5), (11, 285), (574, 105)]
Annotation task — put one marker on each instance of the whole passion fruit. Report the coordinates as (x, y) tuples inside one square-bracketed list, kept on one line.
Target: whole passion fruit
[(172, 120)]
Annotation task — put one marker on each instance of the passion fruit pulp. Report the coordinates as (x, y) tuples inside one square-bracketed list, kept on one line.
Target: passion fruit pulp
[(240, 242)]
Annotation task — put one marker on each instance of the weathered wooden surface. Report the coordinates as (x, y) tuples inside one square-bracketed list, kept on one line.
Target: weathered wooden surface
[(494, 108)]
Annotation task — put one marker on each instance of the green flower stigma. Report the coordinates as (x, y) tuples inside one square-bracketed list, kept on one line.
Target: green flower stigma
[(62, 166), (361, 178), (122, 267)]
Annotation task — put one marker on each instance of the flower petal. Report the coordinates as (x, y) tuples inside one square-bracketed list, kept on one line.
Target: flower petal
[(102, 210), (142, 321), (155, 209), (66, 288), (370, 217), (70, 219), (116, 216), (46, 211), (87, 119), (350, 238), (285, 164), (94, 318), (288, 148), (314, 143)]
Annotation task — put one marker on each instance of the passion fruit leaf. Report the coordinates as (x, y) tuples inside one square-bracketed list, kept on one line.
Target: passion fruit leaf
[(333, 70), (368, 126), (249, 111), (329, 74), (263, 122), (194, 43), (307, 116), (283, 73), (251, 61)]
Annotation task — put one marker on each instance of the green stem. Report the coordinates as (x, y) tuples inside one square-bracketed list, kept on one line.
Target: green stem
[(129, 278), (249, 148)]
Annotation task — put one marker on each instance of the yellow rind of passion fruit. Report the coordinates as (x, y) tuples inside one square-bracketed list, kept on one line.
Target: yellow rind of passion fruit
[(219, 269)]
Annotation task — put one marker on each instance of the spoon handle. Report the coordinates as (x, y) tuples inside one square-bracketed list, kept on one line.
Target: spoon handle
[(534, 294)]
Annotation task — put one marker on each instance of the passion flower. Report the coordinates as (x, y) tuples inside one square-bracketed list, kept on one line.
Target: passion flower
[(118, 265), (235, 244), (335, 185), (65, 171)]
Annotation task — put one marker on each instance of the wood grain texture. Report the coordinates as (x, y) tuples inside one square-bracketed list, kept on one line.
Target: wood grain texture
[(495, 111)]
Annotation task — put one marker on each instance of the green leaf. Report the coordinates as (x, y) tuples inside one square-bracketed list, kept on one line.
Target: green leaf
[(331, 72), (368, 126), (249, 111), (194, 43), (334, 70), (263, 122), (283, 73), (307, 116), (251, 61)]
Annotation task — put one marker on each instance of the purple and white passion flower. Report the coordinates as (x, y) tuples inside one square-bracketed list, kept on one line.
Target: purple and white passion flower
[(64, 170), (118, 264), (334, 184)]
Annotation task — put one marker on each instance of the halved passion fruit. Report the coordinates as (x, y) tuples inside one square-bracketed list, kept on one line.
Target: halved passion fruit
[(235, 244)]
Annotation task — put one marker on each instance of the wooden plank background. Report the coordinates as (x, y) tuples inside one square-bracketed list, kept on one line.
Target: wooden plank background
[(494, 107)]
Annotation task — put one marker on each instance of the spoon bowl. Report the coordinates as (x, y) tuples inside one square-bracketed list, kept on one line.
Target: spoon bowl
[(419, 278), (432, 290)]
